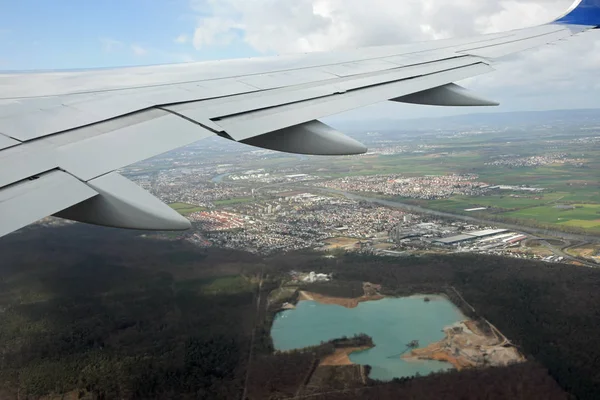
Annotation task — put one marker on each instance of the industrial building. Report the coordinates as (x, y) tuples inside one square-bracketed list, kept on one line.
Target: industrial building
[(469, 236), (486, 232), (454, 240)]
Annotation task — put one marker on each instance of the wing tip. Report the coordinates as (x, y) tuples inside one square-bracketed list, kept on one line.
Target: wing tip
[(582, 12)]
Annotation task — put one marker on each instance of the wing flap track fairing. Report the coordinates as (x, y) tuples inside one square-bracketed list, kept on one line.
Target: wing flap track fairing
[(121, 203), (313, 137), (446, 95)]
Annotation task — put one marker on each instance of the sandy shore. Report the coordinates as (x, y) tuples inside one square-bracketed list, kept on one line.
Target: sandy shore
[(345, 302), (341, 356), (436, 351), (465, 346)]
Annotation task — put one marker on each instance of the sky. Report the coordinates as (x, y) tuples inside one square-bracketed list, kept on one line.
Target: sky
[(74, 34)]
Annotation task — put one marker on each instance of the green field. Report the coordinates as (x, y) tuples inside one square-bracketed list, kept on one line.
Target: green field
[(405, 164), (500, 202), (186, 209), (563, 183), (230, 202), (583, 215)]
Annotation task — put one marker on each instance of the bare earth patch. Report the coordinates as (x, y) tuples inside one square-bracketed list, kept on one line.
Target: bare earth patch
[(465, 346), (344, 302), (341, 356)]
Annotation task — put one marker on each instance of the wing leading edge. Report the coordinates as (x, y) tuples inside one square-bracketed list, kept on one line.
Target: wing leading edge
[(63, 134)]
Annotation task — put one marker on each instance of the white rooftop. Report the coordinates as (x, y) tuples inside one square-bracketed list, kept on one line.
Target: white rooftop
[(486, 232)]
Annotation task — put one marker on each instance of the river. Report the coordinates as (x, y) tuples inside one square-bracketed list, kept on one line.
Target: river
[(391, 322), (219, 178), (422, 210)]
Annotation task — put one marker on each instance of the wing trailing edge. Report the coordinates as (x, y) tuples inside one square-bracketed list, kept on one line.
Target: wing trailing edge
[(25, 202)]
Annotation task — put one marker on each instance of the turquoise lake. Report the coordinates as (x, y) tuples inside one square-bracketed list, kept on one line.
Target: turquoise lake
[(391, 322)]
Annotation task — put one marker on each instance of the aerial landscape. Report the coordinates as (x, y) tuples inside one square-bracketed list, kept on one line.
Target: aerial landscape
[(456, 259), (423, 185), (300, 200)]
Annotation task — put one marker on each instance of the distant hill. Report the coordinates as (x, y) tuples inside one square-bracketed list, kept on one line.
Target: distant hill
[(479, 120)]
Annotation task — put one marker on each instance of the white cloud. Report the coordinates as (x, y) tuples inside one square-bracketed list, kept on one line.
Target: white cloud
[(286, 26), (215, 31), (290, 26), (181, 39), (138, 50)]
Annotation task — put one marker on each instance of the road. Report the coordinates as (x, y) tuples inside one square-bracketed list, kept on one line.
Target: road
[(423, 210), (561, 253), (536, 232), (499, 335), (251, 352)]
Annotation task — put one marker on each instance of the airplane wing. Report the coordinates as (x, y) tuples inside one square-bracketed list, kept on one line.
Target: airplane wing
[(63, 134)]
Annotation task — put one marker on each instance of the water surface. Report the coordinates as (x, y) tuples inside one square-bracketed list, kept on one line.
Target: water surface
[(391, 322), (219, 178)]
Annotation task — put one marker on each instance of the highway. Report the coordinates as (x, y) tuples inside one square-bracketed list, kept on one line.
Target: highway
[(534, 233)]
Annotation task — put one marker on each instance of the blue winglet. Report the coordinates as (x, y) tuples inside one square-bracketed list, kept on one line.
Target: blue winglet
[(582, 12)]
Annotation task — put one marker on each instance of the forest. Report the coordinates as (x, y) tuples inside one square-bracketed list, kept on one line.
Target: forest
[(523, 381), (98, 313), (551, 311), (103, 314)]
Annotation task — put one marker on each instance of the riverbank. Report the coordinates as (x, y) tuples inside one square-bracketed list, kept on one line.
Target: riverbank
[(341, 356), (340, 301), (467, 346)]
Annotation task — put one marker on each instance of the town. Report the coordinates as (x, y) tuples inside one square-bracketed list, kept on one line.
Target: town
[(535, 161), (264, 202), (233, 212), (427, 187), (303, 220)]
